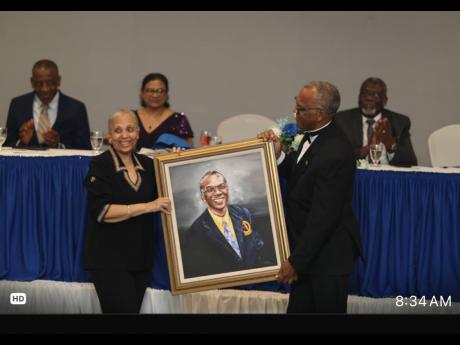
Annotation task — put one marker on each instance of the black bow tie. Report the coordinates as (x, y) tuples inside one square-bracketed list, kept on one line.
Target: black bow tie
[(306, 137), (309, 134)]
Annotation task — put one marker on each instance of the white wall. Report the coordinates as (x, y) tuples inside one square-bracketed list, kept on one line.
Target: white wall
[(223, 63)]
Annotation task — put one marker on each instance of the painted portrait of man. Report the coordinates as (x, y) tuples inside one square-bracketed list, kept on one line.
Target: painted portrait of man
[(223, 217)]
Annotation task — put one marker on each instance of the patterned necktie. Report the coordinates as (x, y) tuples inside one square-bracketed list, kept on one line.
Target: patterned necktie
[(43, 123), (370, 124), (232, 241)]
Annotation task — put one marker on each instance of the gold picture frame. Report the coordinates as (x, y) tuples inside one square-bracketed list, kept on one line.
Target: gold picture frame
[(196, 247)]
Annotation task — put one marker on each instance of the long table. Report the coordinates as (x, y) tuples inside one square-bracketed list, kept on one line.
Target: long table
[(409, 219)]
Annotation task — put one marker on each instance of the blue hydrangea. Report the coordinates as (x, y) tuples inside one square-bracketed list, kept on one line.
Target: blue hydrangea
[(287, 133), (291, 129)]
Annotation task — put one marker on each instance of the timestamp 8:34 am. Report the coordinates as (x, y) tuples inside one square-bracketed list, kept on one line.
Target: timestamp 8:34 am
[(424, 301)]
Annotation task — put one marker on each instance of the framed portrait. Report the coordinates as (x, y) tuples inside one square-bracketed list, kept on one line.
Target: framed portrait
[(227, 223)]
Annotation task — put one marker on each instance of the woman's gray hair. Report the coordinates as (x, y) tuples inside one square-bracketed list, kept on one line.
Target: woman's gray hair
[(327, 95), (122, 112)]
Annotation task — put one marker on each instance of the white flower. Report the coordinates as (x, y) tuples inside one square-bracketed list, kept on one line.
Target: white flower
[(296, 142), (298, 138), (287, 134), (276, 130)]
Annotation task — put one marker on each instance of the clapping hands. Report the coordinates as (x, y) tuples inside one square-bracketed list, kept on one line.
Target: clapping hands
[(26, 132), (51, 138), (383, 133)]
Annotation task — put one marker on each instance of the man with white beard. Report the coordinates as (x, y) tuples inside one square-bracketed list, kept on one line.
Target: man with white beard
[(371, 123)]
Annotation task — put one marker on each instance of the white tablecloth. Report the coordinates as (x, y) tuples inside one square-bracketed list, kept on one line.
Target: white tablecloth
[(15, 152), (8, 151)]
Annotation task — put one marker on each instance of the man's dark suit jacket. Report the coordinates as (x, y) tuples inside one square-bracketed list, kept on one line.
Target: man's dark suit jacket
[(71, 121), (208, 252), (351, 123), (323, 232)]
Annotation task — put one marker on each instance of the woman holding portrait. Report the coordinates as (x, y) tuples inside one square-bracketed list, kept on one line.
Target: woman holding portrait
[(156, 116), (122, 198)]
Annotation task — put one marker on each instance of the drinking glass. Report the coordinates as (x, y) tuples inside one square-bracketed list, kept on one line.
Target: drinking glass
[(215, 140), (2, 136), (205, 137), (97, 138), (375, 152)]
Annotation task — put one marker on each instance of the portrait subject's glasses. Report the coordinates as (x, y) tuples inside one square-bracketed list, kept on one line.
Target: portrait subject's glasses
[(158, 91), (210, 189)]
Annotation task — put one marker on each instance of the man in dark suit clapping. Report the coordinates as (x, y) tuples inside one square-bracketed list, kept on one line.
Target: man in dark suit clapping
[(323, 232), (371, 123), (46, 117)]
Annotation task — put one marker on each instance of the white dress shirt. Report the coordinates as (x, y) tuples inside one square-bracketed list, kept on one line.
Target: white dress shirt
[(52, 113), (52, 109)]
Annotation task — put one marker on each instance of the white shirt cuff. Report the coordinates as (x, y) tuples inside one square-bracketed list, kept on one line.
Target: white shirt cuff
[(281, 158)]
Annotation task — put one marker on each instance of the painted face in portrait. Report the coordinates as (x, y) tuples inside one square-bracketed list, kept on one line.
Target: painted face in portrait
[(214, 192)]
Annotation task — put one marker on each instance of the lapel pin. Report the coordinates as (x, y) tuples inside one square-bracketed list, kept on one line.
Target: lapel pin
[(247, 230)]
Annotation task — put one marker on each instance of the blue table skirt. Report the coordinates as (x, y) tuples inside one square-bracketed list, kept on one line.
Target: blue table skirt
[(409, 222), (410, 227)]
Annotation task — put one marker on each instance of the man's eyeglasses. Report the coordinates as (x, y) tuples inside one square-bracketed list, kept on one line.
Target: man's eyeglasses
[(158, 91), (374, 94), (301, 110), (209, 189)]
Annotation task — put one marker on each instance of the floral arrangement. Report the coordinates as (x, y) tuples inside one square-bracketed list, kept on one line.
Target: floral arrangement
[(288, 133)]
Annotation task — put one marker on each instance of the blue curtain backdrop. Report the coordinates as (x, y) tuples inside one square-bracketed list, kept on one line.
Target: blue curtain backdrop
[(409, 221)]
